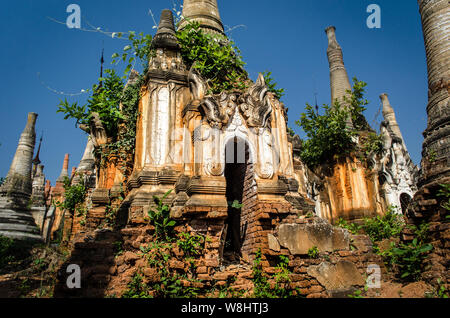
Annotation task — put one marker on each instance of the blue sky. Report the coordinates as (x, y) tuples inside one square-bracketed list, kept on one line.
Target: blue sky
[(286, 37)]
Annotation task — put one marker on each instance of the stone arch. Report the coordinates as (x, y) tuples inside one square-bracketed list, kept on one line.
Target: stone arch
[(242, 137), (405, 199), (241, 190)]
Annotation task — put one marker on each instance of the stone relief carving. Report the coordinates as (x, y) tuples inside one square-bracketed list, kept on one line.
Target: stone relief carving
[(197, 84), (255, 104), (96, 130), (234, 113), (264, 166)]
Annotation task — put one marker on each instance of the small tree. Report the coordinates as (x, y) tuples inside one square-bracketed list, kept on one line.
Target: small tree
[(105, 101), (160, 218), (329, 137), (328, 134)]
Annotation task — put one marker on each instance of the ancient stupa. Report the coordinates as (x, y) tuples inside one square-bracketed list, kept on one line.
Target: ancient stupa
[(16, 220)]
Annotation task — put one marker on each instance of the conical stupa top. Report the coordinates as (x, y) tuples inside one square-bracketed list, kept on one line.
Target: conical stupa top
[(22, 162), (87, 161), (389, 116), (37, 160), (65, 169), (339, 82), (165, 36), (206, 12), (338, 74)]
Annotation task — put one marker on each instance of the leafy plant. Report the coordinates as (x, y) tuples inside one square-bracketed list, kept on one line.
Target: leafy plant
[(123, 147), (309, 215), (445, 192), (281, 287), (118, 248), (352, 227), (290, 131), (138, 49), (272, 85), (329, 137), (373, 143), (137, 288), (442, 291), (358, 293), (215, 57), (160, 218), (313, 252), (408, 258), (169, 283), (235, 204), (190, 244), (73, 196), (357, 102), (6, 246), (105, 101), (383, 227), (2, 180), (432, 155)]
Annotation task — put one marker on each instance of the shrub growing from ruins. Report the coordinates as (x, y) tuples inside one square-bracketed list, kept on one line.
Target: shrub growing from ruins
[(136, 288), (313, 252), (160, 218), (73, 196), (383, 227), (351, 227), (329, 137), (282, 282), (105, 101), (372, 144), (444, 192), (215, 57), (2, 180), (191, 245), (169, 283), (6, 246), (407, 259), (272, 86), (438, 292), (355, 98)]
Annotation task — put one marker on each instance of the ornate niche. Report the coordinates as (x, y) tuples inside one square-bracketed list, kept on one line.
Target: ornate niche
[(246, 115)]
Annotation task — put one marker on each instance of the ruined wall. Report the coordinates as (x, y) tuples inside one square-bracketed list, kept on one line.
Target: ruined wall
[(345, 190), (109, 261), (428, 207)]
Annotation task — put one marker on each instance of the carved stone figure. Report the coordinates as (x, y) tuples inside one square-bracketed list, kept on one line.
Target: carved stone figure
[(255, 104)]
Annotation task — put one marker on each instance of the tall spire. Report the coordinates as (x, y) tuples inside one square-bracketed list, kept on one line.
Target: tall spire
[(102, 60), (65, 169), (389, 117), (37, 160), (16, 220), (19, 175), (206, 12), (435, 24), (165, 36), (339, 81)]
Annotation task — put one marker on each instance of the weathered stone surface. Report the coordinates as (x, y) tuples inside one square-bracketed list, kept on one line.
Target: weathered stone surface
[(299, 238), (343, 275), (362, 243), (16, 220), (205, 12), (339, 81), (273, 243), (65, 169)]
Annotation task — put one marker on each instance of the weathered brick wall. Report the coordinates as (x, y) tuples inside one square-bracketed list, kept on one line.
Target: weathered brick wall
[(249, 201), (107, 273)]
